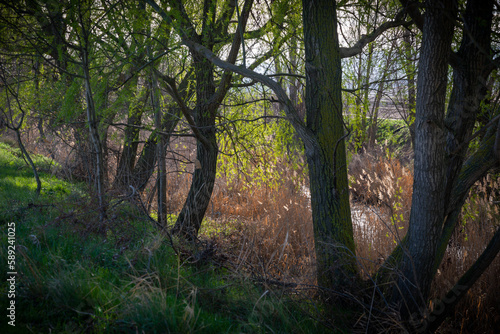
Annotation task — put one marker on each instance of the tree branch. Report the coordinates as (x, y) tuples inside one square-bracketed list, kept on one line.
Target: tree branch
[(184, 109), (365, 39), (290, 110), (225, 81), (443, 308), (413, 9)]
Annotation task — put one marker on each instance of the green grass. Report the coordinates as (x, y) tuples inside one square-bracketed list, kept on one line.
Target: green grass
[(77, 276)]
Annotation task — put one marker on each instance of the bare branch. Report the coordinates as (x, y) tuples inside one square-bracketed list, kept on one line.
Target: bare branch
[(365, 39), (412, 8)]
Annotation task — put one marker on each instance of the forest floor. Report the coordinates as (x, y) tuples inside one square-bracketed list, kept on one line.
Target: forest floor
[(252, 271)]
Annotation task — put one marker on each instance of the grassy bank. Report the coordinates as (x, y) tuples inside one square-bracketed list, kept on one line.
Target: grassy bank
[(76, 275)]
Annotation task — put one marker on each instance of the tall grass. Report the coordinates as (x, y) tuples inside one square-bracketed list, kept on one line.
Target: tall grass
[(276, 229)]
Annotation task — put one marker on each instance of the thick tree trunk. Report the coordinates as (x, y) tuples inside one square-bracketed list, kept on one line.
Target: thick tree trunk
[(190, 218), (471, 69), (333, 232), (470, 73), (428, 200)]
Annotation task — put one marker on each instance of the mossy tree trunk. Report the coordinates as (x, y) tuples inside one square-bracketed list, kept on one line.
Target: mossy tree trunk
[(333, 231)]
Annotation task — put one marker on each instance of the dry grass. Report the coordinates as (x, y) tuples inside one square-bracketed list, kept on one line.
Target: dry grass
[(381, 190), (479, 311), (275, 226)]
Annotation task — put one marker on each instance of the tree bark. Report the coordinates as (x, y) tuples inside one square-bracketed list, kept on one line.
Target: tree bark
[(472, 170), (428, 200), (470, 72), (333, 231), (190, 218)]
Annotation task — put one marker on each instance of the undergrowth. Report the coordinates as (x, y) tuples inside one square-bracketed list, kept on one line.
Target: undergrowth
[(76, 275), (253, 269)]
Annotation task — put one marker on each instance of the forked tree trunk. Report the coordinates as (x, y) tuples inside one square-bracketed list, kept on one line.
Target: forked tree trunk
[(208, 101), (190, 218), (427, 214), (471, 69)]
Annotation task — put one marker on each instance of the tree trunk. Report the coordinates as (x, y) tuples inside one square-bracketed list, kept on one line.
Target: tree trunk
[(160, 151), (428, 197), (472, 170), (94, 137), (333, 232), (190, 218), (410, 74), (128, 156), (143, 169), (470, 73)]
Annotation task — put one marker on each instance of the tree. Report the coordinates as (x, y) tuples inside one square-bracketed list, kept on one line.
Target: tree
[(15, 112), (441, 150), (430, 163), (47, 40), (111, 58), (213, 35), (83, 21), (327, 158), (429, 169)]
